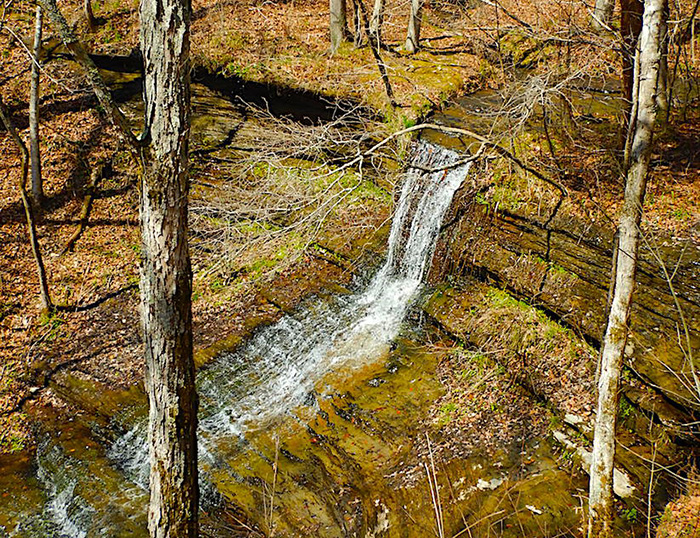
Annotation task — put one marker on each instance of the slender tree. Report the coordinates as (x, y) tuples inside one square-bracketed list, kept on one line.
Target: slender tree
[(44, 294), (358, 29), (375, 23), (35, 156), (166, 277), (647, 66), (414, 23), (338, 23), (89, 15), (631, 12)]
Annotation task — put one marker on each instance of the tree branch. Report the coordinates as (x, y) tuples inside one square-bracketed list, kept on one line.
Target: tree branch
[(47, 305), (101, 90)]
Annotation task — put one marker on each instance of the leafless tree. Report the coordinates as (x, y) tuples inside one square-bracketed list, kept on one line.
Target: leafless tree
[(35, 155), (89, 15), (414, 24), (631, 12), (338, 23), (375, 23), (44, 294), (642, 122), (166, 277)]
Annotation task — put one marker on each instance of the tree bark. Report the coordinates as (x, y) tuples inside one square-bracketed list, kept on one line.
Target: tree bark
[(338, 23), (35, 156), (602, 14), (414, 22), (375, 23), (601, 481), (166, 277), (630, 28), (44, 294), (89, 15)]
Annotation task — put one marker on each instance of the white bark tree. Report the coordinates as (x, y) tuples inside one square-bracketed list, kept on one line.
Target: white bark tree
[(414, 23), (642, 123), (34, 153), (375, 23), (338, 23)]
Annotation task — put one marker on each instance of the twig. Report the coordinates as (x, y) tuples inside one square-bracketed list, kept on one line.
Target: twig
[(95, 177), (434, 490)]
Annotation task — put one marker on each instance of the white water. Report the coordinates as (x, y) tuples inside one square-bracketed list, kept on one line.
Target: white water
[(281, 367), (63, 508), (285, 362)]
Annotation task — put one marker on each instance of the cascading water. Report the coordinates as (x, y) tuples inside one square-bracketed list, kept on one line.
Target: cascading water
[(279, 370), (288, 359)]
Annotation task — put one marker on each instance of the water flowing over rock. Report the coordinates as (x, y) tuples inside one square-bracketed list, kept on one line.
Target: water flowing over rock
[(279, 371)]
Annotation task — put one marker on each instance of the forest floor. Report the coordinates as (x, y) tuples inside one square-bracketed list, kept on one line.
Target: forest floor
[(96, 329)]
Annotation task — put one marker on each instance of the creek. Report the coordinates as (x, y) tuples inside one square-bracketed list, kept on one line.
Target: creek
[(316, 424), (278, 376)]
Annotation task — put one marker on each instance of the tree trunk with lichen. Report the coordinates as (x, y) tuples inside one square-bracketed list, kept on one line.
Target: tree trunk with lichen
[(338, 23), (35, 156), (166, 276), (414, 23), (649, 53)]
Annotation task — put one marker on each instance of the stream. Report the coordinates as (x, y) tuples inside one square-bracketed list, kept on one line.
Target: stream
[(315, 425), (279, 375)]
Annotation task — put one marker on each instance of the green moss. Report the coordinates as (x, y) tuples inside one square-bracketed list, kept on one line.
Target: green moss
[(625, 409), (502, 299)]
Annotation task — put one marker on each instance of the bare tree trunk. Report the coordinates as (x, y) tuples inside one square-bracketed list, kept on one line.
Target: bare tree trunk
[(338, 23), (602, 13), (414, 21), (376, 47), (89, 15), (662, 95), (630, 28), (358, 29), (601, 482), (166, 276), (35, 156), (375, 23), (44, 294)]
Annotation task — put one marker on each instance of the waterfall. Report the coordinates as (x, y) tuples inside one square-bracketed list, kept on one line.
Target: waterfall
[(283, 362), (278, 370)]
